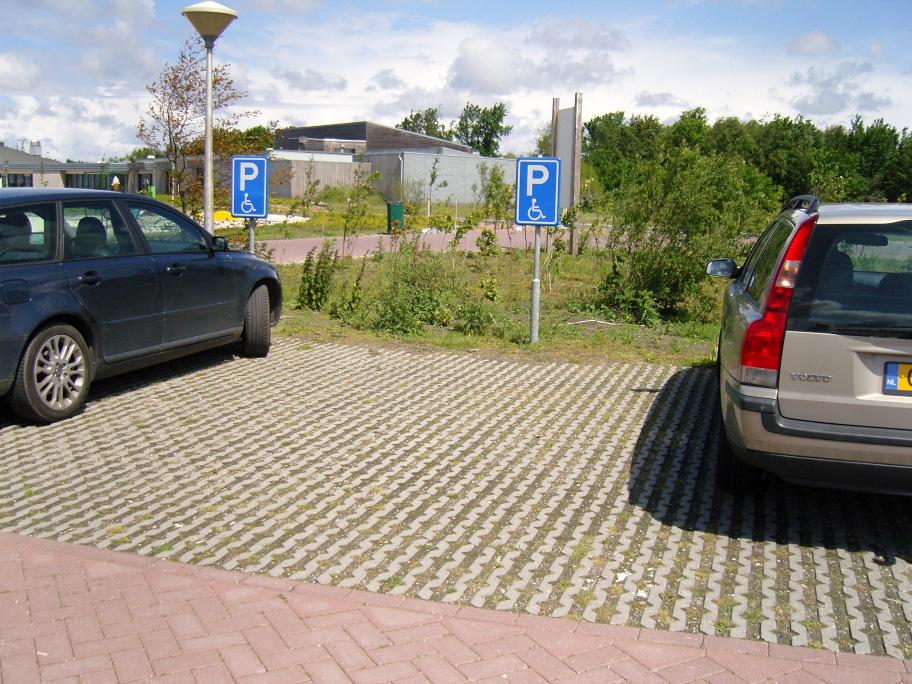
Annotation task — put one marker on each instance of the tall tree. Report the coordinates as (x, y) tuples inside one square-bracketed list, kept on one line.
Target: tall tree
[(482, 128), (427, 122), (176, 114)]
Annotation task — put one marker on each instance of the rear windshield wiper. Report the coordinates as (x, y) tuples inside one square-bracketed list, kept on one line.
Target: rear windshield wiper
[(863, 331)]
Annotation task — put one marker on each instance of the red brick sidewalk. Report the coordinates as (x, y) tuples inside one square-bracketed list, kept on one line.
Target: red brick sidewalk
[(73, 613)]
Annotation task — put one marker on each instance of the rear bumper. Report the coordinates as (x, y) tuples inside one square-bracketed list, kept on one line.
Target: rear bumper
[(885, 478), (816, 454)]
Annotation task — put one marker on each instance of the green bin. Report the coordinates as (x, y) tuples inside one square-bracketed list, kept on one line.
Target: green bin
[(395, 217)]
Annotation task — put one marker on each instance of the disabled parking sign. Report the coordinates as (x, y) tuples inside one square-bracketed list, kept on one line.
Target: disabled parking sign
[(538, 191), (249, 186)]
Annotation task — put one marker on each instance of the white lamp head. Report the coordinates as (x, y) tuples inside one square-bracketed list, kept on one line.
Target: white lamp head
[(210, 19)]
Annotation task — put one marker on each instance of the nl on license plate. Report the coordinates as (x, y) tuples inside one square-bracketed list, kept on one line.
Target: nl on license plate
[(898, 378)]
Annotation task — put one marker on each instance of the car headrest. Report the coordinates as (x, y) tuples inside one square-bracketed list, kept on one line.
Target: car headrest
[(90, 226), (896, 284), (15, 225), (837, 271)]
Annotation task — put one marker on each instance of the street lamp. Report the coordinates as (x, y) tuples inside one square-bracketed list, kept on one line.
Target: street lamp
[(210, 19)]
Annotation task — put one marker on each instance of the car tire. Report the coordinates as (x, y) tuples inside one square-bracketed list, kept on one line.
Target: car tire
[(257, 335), (733, 475), (54, 375)]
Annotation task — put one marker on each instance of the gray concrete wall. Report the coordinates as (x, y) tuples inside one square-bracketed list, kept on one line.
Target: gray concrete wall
[(388, 166), (460, 172)]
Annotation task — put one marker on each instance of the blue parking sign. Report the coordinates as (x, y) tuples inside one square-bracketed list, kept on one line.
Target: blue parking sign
[(249, 186), (538, 191)]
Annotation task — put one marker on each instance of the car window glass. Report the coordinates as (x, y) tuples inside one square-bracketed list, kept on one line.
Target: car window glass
[(855, 277), (93, 230), (768, 257), (751, 261), (28, 233), (167, 232)]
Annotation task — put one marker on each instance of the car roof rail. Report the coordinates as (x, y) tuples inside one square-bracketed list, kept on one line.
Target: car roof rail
[(808, 203)]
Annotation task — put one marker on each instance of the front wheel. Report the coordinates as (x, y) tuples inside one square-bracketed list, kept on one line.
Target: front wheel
[(257, 336), (54, 375)]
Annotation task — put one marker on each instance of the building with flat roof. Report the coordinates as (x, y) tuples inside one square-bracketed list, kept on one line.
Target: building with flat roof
[(334, 153), (19, 169), (357, 137)]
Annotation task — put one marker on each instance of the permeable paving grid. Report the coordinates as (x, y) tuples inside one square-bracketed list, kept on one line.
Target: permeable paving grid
[(542, 488)]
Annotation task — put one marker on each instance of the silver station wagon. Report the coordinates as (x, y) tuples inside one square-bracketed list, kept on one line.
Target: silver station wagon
[(815, 352)]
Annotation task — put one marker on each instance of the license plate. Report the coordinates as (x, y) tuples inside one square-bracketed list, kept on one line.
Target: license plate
[(898, 378)]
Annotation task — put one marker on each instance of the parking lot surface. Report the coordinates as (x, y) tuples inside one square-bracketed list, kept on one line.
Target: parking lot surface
[(101, 616), (550, 489)]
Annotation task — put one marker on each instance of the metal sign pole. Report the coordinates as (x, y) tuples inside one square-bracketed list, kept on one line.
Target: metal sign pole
[(536, 287), (251, 223), (537, 204)]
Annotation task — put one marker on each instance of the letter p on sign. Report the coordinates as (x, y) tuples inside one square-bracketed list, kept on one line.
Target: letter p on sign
[(536, 174), (248, 171)]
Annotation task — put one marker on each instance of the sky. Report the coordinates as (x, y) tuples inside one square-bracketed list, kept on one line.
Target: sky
[(73, 73)]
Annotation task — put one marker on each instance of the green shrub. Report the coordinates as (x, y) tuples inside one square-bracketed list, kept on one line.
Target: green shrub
[(349, 303), (617, 296), (335, 194), (403, 292), (672, 215), (487, 242), (475, 318), (488, 288), (415, 289), (317, 277)]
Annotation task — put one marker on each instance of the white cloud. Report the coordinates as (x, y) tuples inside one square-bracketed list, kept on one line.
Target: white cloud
[(81, 128), (85, 100), (490, 66), (813, 43), (16, 73), (386, 79), (286, 7), (646, 99), (837, 90), (309, 80)]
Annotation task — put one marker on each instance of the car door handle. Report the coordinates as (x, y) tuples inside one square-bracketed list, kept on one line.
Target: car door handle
[(176, 269), (89, 278)]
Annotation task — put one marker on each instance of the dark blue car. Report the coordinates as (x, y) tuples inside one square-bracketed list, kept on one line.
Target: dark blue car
[(95, 283)]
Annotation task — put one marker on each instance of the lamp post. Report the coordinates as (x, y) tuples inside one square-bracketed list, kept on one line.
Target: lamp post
[(210, 19)]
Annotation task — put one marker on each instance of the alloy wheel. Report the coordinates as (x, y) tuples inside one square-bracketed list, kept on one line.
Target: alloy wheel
[(59, 372)]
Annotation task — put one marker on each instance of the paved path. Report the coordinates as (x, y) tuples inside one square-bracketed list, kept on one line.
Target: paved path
[(294, 251), (73, 613), (569, 490)]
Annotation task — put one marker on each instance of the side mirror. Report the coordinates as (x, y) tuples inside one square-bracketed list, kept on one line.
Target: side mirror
[(219, 244), (722, 268)]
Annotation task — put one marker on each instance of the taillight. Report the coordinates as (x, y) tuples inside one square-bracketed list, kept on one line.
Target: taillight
[(761, 349)]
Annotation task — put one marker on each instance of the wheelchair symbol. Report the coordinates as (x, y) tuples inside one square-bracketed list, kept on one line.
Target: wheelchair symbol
[(535, 213), (247, 206)]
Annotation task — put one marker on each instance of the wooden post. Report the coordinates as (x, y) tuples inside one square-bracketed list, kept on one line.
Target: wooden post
[(555, 109)]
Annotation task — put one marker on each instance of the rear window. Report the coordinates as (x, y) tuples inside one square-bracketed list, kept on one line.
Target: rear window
[(856, 280), (28, 233)]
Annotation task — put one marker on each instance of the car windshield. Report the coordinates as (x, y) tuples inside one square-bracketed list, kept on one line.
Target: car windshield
[(856, 280)]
